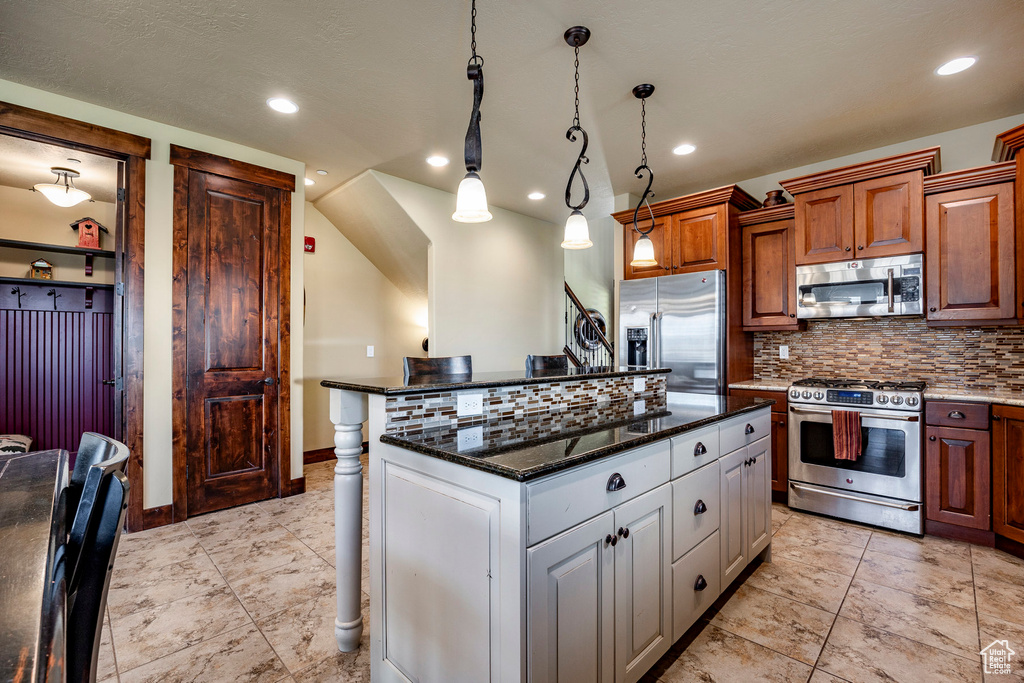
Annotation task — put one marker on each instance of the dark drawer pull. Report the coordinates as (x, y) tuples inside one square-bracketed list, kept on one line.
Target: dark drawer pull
[(956, 415), (931, 438), (749, 429), (700, 508), (699, 450), (701, 583), (616, 482), (611, 540)]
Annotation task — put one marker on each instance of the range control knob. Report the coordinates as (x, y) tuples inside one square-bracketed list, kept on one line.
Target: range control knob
[(882, 398), (912, 401), (807, 394), (818, 395), (794, 394), (896, 400)]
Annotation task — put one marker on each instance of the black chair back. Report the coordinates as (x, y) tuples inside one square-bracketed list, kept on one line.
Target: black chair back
[(88, 602), (547, 363), (450, 365), (92, 448)]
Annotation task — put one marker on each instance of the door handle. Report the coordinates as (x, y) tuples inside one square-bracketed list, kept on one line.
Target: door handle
[(269, 381), (749, 429), (912, 507), (615, 483), (956, 415), (699, 450), (701, 583), (901, 418), (892, 295), (108, 382), (700, 508)]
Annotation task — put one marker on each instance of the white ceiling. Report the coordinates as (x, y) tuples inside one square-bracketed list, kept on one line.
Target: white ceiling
[(758, 86), (24, 163)]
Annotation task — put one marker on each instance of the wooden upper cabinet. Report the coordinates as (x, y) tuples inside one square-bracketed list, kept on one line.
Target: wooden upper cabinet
[(1008, 149), (769, 271), (1008, 472), (659, 237), (824, 225), (888, 215), (699, 240), (970, 258)]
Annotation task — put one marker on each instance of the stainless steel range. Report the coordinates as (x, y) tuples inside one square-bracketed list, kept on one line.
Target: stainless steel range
[(883, 485)]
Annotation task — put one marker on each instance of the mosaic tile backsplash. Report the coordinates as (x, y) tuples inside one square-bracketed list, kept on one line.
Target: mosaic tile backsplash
[(980, 358), (414, 412)]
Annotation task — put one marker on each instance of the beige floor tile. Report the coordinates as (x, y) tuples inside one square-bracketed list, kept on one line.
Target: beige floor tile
[(259, 553), (949, 628), (1000, 599), (237, 525), (719, 656), (919, 578), (780, 516), (993, 629), (133, 589), (341, 667), (938, 552), (271, 591), (149, 634), (858, 652), (239, 655), (155, 548), (819, 552), (820, 676), (303, 634), (106, 667), (317, 535), (990, 563), (806, 526), (791, 628), (804, 583)]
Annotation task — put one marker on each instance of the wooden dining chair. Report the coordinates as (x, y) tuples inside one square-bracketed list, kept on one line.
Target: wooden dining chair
[(450, 365), (547, 363)]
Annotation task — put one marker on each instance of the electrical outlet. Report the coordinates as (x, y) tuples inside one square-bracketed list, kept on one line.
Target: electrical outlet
[(783, 351), (470, 404), (639, 384), (470, 438), (369, 352), (639, 407)]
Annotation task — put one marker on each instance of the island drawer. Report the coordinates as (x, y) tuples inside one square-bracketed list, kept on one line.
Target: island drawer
[(962, 415), (693, 450), (696, 509), (561, 501), (690, 595), (744, 430)]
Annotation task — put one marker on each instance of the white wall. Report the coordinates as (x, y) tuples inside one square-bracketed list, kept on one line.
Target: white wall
[(157, 318), (350, 305)]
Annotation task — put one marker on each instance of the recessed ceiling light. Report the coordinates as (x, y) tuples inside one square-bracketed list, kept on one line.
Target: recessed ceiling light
[(955, 66), (686, 148), (282, 105), (437, 161), (321, 172), (535, 196), (310, 181)]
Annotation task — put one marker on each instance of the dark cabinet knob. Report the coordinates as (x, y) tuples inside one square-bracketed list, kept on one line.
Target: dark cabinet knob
[(860, 248), (611, 540), (749, 429), (616, 482), (624, 532), (931, 438), (792, 315), (700, 508), (956, 415), (997, 417), (847, 249), (701, 583), (932, 309), (699, 450)]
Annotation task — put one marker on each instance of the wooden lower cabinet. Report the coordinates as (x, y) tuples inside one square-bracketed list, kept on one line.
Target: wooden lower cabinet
[(957, 477), (1008, 472)]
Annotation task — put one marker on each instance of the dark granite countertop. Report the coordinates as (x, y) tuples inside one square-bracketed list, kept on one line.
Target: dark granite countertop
[(536, 445), (398, 384)]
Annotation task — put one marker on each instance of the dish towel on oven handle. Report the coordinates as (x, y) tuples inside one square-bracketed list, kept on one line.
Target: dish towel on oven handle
[(846, 434)]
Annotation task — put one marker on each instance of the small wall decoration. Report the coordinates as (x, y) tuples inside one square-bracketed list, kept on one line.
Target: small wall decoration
[(42, 270), (88, 232)]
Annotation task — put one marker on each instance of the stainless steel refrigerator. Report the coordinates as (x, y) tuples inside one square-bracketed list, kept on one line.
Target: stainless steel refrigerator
[(676, 322)]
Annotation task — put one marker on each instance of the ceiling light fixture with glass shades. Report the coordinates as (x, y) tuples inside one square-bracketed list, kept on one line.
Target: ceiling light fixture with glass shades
[(471, 201), (643, 250), (577, 232), (63, 194)]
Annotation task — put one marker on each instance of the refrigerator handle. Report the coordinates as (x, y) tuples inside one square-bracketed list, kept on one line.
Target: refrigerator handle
[(655, 361)]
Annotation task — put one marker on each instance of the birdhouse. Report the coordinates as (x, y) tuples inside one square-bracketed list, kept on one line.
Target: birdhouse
[(42, 269), (88, 232)]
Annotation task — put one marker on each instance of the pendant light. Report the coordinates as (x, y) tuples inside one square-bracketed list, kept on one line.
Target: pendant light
[(577, 232), (471, 201), (65, 194), (643, 250)]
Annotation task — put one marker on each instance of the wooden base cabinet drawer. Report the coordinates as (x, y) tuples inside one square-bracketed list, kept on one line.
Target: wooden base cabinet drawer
[(744, 430), (695, 508), (696, 584), (562, 501), (959, 415), (693, 450)]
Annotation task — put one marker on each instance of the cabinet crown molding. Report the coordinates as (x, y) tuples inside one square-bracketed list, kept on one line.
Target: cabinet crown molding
[(1008, 143), (926, 160), (768, 215), (728, 194), (971, 177)]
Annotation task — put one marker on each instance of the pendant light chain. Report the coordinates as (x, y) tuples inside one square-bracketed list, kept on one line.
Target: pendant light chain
[(475, 59), (643, 131), (576, 119)]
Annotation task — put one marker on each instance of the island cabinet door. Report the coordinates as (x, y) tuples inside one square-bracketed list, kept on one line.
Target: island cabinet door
[(571, 611), (758, 496), (734, 545), (643, 588)]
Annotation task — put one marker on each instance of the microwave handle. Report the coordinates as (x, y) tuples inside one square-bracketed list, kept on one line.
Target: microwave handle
[(892, 296)]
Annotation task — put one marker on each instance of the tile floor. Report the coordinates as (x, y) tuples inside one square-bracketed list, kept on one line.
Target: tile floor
[(248, 594)]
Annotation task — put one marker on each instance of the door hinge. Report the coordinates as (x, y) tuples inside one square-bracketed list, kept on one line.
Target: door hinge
[(121, 194), (119, 289)]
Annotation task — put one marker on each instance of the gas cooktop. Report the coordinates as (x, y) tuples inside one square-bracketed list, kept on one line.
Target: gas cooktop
[(856, 392), (831, 383)]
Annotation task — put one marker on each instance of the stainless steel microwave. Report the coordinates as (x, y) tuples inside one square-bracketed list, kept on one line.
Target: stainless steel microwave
[(856, 289)]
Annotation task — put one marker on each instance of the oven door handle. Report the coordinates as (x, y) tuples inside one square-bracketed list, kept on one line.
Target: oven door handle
[(904, 418), (909, 507)]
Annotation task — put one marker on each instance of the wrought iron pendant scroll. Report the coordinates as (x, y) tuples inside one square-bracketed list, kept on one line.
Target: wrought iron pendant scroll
[(642, 92), (575, 37), (475, 73)]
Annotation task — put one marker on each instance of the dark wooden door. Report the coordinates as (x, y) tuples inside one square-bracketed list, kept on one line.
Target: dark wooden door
[(233, 440), (769, 275), (1008, 472), (957, 477), (699, 239), (824, 225), (970, 265), (657, 235), (889, 215)]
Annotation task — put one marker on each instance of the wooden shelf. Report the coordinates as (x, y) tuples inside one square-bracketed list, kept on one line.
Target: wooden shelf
[(55, 283), (55, 248)]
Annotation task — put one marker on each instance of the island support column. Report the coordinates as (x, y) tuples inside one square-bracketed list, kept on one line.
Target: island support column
[(348, 412)]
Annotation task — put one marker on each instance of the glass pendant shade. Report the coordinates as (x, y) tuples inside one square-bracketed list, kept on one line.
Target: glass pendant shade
[(643, 253), (577, 232), (471, 201), (63, 194)]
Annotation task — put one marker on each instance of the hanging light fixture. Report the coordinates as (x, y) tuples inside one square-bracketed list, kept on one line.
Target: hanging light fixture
[(471, 201), (63, 194), (643, 250), (577, 232)]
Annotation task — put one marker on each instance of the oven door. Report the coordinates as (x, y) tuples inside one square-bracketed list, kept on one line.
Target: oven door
[(889, 466)]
